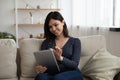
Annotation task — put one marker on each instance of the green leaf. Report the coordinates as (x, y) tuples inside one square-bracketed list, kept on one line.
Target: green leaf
[(6, 35)]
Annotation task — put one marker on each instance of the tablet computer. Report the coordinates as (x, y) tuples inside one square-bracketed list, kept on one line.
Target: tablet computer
[(46, 58)]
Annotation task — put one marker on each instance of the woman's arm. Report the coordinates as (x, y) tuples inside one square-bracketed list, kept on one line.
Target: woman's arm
[(44, 45), (74, 61)]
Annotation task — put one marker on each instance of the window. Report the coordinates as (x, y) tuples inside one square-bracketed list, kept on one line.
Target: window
[(100, 13)]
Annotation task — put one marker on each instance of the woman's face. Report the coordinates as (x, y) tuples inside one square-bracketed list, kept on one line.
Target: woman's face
[(56, 27)]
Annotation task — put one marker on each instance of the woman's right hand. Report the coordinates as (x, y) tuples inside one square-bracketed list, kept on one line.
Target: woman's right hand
[(40, 69)]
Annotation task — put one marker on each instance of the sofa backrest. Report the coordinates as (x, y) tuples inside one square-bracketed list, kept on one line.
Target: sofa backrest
[(90, 45), (8, 51), (27, 48)]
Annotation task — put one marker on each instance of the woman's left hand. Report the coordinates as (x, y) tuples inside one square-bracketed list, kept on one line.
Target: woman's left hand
[(58, 53)]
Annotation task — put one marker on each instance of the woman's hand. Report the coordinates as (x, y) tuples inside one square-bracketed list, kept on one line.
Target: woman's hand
[(58, 53), (40, 69)]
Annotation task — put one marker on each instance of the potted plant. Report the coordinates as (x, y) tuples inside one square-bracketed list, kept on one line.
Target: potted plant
[(6, 35)]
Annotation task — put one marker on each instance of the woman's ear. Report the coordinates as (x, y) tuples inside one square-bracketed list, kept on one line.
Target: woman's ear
[(63, 22)]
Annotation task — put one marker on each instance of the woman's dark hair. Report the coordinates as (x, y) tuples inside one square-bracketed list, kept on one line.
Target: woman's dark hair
[(57, 16)]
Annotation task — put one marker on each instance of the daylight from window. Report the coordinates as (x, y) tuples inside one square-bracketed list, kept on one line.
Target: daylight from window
[(96, 13)]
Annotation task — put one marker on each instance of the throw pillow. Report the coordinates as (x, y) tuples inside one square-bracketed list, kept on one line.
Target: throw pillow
[(102, 66)]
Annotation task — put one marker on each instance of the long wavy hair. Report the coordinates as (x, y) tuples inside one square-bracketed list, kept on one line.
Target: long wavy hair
[(57, 16)]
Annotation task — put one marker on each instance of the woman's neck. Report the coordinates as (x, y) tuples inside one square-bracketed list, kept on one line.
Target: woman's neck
[(61, 41), (60, 37)]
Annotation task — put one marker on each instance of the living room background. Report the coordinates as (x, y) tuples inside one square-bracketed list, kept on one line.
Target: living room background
[(7, 21)]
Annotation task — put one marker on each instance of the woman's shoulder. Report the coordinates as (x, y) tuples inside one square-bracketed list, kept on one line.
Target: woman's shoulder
[(47, 41), (46, 44), (74, 38)]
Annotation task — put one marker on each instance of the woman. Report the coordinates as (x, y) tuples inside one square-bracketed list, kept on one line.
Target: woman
[(66, 50)]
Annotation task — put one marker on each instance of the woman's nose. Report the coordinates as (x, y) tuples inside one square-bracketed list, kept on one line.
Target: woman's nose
[(53, 28)]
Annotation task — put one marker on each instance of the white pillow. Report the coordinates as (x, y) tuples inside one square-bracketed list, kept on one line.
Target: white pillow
[(8, 51), (27, 48), (89, 46), (102, 66)]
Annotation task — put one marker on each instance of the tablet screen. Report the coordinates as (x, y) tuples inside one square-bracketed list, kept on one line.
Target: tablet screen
[(46, 58)]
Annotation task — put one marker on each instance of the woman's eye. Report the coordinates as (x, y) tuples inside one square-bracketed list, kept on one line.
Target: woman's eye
[(50, 26), (55, 24)]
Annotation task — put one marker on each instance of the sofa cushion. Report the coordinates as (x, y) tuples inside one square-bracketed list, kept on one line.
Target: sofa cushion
[(102, 66), (8, 51), (89, 46), (10, 79), (27, 48), (26, 78)]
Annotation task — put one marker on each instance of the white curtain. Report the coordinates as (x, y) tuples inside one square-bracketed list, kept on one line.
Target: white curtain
[(117, 13), (93, 13), (91, 17)]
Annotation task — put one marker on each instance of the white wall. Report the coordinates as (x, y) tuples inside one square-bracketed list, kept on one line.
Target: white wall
[(7, 16), (113, 42)]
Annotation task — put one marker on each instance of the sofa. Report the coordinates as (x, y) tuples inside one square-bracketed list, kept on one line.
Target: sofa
[(96, 62)]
